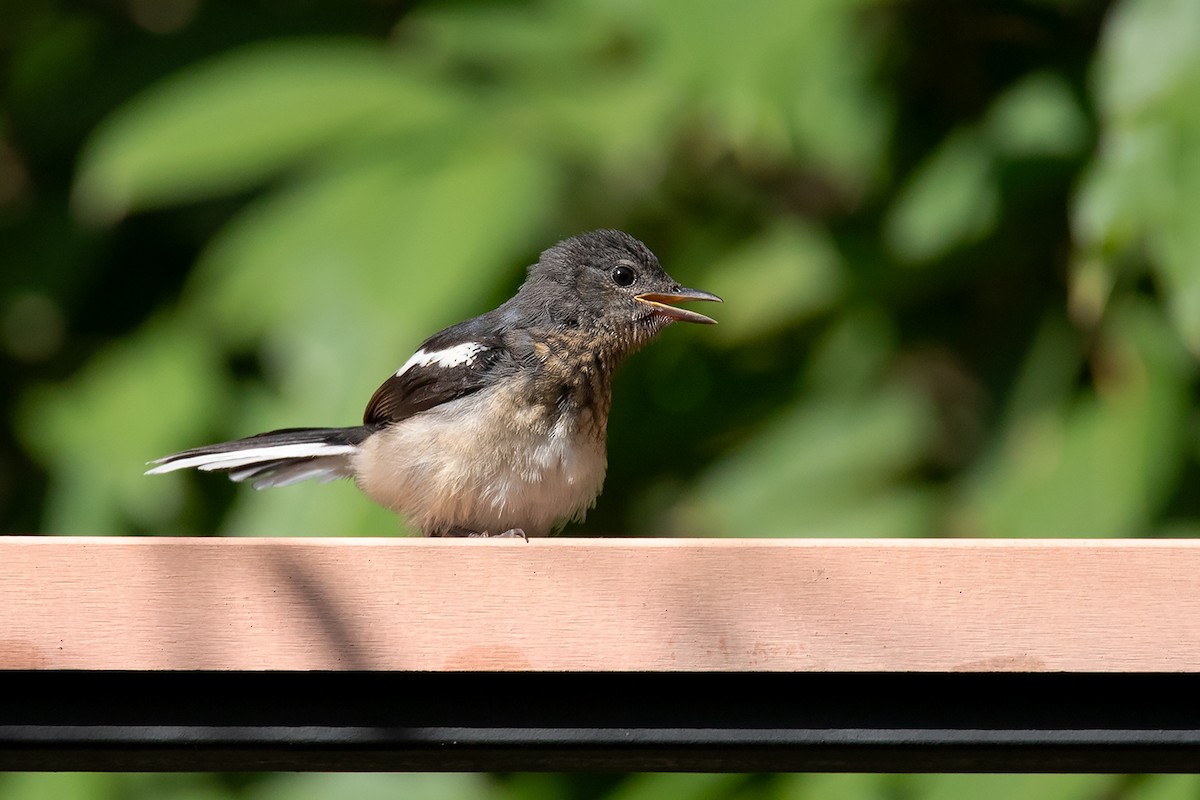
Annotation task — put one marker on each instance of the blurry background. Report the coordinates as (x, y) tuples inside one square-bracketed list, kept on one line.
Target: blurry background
[(959, 246)]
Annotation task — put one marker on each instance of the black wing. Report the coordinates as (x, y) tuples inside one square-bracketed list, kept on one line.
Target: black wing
[(454, 363)]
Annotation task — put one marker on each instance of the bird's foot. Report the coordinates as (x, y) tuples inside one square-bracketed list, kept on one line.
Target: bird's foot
[(511, 533)]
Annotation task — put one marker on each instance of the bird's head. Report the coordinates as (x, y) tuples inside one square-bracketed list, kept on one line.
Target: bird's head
[(609, 284)]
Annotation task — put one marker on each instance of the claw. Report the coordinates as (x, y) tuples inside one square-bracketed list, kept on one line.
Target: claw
[(513, 533)]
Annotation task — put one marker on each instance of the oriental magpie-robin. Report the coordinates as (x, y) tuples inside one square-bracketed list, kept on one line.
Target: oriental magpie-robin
[(496, 425)]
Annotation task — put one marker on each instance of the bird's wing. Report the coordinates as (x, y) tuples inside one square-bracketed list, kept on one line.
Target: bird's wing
[(451, 364)]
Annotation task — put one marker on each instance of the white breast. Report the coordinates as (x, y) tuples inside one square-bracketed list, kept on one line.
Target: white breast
[(477, 463)]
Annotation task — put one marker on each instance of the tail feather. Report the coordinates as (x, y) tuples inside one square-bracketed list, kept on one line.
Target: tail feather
[(278, 458), (285, 472)]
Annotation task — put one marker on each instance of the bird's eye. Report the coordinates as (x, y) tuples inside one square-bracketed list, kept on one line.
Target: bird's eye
[(623, 275)]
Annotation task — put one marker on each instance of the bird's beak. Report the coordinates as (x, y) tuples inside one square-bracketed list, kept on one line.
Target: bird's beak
[(663, 304)]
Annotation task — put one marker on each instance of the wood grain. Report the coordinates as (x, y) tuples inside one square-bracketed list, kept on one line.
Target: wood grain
[(610, 605)]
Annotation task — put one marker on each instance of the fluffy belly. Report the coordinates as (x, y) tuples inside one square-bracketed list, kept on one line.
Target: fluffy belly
[(479, 464)]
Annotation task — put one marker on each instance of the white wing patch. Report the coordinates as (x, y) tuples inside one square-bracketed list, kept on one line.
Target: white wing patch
[(450, 357)]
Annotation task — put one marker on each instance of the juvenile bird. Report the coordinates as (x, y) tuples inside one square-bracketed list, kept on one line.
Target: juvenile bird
[(496, 425)]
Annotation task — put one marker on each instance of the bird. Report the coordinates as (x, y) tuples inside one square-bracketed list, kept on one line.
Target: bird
[(496, 426)]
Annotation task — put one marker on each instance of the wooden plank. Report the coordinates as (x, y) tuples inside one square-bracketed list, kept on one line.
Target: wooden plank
[(154, 604)]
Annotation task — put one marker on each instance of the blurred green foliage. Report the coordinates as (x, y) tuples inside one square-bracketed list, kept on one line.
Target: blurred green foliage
[(958, 244), (685, 786)]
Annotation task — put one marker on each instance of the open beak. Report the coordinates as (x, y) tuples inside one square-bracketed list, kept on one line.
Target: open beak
[(663, 304)]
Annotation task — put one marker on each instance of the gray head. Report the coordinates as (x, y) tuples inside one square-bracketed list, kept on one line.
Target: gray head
[(610, 284)]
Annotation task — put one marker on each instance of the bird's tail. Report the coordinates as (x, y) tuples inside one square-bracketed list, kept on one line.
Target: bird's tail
[(277, 458)]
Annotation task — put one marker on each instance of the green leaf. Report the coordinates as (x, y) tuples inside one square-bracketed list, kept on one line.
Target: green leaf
[(677, 786), (235, 120), (1144, 185), (1148, 56), (788, 273), (849, 357), (367, 786), (1039, 116), (1011, 787), (950, 199), (1096, 465), (776, 78), (823, 468), (563, 79), (59, 786), (148, 396), (1164, 787), (835, 786)]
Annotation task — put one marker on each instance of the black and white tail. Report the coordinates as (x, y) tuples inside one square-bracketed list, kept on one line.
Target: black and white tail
[(278, 458)]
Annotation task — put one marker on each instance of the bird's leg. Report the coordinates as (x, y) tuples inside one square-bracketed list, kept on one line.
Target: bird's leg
[(457, 531)]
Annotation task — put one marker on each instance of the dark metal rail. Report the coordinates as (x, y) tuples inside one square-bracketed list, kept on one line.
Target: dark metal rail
[(1055, 722)]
